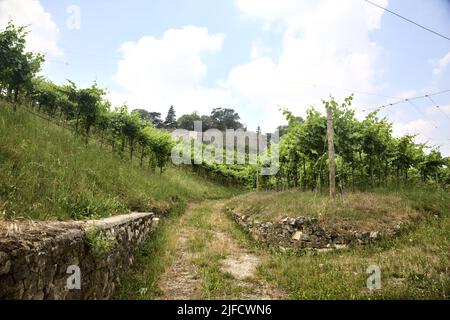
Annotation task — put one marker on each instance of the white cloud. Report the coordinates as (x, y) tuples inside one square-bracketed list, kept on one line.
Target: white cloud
[(434, 130), (325, 43), (44, 33), (156, 73), (442, 64), (258, 50), (325, 50), (413, 127)]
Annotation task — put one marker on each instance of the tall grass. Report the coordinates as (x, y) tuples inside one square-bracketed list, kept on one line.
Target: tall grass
[(46, 172)]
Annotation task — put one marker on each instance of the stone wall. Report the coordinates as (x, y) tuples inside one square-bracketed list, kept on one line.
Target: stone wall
[(36, 257), (301, 233)]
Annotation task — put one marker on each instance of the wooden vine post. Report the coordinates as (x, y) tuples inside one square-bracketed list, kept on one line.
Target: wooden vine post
[(331, 156)]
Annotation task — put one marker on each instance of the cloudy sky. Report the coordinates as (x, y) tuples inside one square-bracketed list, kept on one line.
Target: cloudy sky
[(251, 55)]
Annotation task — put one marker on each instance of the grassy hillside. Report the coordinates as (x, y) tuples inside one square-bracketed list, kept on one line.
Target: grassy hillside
[(48, 173)]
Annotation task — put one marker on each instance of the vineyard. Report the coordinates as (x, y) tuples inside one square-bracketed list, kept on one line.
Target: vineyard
[(367, 153), (66, 153)]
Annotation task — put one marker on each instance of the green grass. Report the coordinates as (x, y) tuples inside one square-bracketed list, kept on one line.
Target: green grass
[(414, 265), (200, 223), (208, 258), (48, 173), (153, 258), (350, 211)]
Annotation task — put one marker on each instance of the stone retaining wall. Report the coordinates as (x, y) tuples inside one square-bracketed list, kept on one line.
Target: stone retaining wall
[(38, 260), (301, 233)]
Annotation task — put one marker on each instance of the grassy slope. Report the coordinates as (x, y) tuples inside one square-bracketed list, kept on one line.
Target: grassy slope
[(415, 265), (48, 173), (356, 211)]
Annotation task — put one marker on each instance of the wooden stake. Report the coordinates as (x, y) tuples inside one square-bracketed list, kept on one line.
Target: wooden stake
[(331, 161)]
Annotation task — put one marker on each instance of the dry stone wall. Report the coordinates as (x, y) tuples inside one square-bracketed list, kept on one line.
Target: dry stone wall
[(301, 233), (43, 260)]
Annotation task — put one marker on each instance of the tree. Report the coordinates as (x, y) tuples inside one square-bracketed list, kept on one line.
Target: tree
[(17, 67), (207, 123), (151, 117), (224, 118), (171, 119), (186, 121)]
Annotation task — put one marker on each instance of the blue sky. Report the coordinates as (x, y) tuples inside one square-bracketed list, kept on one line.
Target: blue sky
[(251, 55)]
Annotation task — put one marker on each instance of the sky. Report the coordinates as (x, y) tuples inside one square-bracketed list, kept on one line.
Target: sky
[(255, 56)]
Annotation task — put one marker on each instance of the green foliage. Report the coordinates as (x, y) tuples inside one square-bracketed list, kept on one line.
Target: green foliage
[(46, 172), (225, 118), (89, 107), (367, 154), (17, 67), (187, 121), (99, 243), (85, 110), (153, 118), (171, 119), (220, 118)]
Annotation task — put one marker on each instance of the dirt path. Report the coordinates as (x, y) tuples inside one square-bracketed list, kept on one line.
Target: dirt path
[(213, 260)]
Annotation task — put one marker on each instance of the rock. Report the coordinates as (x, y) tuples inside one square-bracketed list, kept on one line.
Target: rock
[(37, 269), (5, 263), (303, 233), (155, 221), (297, 236), (305, 237), (374, 235), (39, 296), (299, 221)]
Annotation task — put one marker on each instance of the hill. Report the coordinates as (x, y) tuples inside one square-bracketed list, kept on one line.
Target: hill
[(46, 172)]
